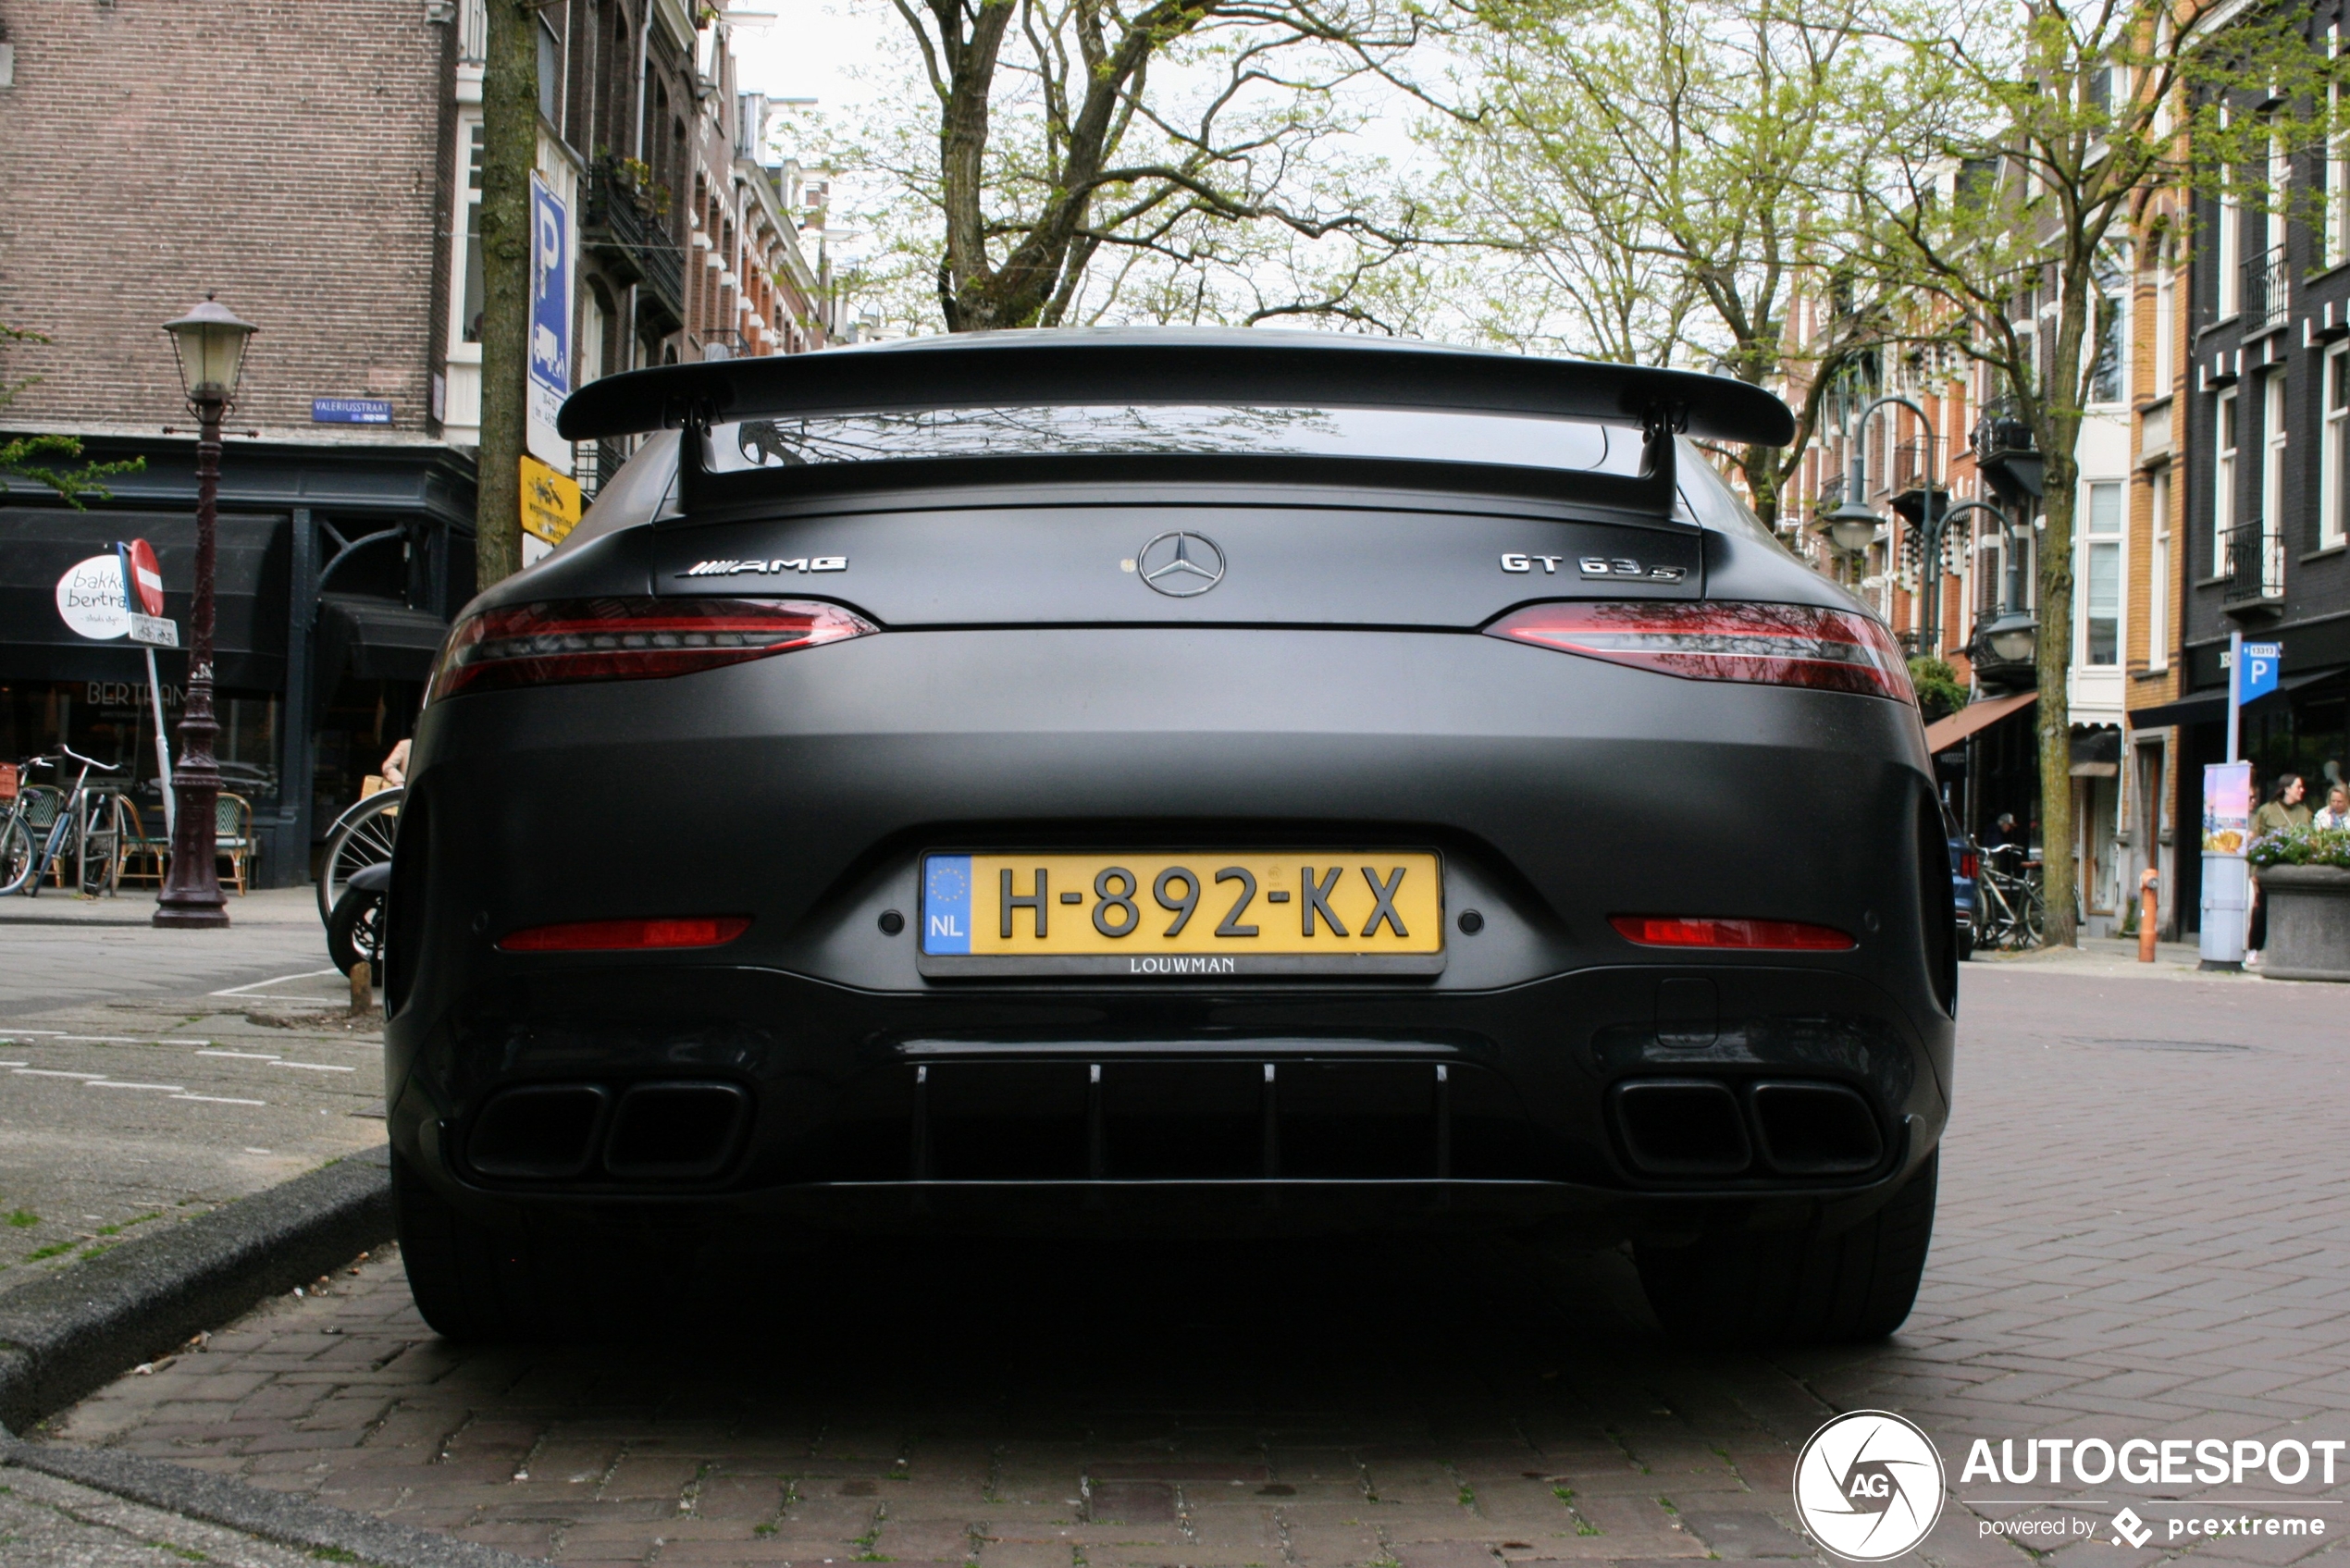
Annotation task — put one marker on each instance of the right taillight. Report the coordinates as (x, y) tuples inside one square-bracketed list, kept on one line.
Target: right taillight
[(1703, 930), (1787, 645), (627, 639), (1970, 864)]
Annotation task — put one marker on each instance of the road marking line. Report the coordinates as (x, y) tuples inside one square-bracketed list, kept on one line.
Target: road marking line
[(240, 1055), (111, 1038), (218, 1100), (313, 1067), (52, 1072), (112, 1084), (15, 1064), (44, 1034), (264, 984)]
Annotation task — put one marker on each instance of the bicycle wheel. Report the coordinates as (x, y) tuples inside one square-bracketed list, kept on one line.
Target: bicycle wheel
[(2035, 923), (360, 837), (15, 854)]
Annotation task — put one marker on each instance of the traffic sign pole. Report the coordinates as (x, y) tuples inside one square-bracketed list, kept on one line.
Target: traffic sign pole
[(143, 590), (2235, 691)]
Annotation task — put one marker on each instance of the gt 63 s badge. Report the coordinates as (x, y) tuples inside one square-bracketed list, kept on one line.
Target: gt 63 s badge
[(1868, 1486)]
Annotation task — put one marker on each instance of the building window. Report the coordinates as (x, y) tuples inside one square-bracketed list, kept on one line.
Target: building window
[(2102, 626), (2107, 377), (2273, 444), (2336, 171), (467, 322), (2159, 575), (2223, 478), (2333, 463), (2231, 246), (2165, 305)]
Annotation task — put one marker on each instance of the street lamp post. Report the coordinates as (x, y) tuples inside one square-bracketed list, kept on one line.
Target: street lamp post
[(210, 344)]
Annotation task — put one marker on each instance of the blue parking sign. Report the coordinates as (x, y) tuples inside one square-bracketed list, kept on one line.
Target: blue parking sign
[(2256, 672)]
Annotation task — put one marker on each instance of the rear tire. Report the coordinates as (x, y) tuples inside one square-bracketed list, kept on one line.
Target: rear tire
[(471, 1283), (1794, 1288), (474, 1283)]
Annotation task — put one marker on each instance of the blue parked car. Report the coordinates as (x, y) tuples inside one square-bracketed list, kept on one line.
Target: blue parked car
[(1966, 865)]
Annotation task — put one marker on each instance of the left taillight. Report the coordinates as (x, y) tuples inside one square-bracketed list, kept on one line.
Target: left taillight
[(1788, 645), (627, 639)]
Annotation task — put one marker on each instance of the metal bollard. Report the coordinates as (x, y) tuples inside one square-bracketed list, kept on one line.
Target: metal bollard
[(2148, 905)]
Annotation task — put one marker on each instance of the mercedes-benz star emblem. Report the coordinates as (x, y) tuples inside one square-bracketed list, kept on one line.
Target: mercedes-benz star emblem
[(1181, 565)]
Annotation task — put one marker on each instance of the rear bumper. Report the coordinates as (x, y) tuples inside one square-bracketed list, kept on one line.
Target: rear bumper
[(802, 790), (1077, 1112)]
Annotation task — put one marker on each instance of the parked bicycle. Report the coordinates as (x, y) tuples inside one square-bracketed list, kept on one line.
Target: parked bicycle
[(2015, 915), (50, 827)]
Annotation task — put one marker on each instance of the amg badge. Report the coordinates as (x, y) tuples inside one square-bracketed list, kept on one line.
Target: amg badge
[(766, 568)]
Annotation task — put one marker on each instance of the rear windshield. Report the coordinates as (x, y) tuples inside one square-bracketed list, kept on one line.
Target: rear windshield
[(1499, 439)]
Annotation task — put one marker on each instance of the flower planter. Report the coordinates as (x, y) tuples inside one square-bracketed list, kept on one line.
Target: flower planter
[(2308, 922)]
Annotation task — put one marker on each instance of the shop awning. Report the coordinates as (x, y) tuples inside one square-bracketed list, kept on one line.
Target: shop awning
[(373, 639), (2211, 706), (1943, 733), (39, 543), (2096, 751)]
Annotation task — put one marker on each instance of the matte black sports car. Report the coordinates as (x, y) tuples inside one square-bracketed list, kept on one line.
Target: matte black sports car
[(1099, 781)]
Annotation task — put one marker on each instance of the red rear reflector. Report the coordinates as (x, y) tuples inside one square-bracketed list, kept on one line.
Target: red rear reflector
[(612, 936), (1787, 645), (1698, 931), (628, 639)]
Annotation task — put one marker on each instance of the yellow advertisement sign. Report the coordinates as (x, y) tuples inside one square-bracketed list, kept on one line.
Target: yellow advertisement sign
[(549, 501)]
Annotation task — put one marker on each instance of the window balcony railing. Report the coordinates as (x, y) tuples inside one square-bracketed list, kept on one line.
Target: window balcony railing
[(2266, 290), (2252, 567), (2002, 433), (621, 225), (1916, 463)]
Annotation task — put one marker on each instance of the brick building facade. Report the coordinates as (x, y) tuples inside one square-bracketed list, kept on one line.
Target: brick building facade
[(317, 166)]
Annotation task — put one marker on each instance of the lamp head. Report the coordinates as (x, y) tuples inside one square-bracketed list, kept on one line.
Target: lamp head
[(210, 343), (1851, 526), (2014, 637)]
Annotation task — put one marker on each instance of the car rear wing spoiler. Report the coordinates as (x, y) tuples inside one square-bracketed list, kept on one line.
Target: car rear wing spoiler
[(1231, 366)]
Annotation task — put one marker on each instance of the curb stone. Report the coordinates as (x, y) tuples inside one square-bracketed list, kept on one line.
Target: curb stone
[(67, 1335), (317, 1527)]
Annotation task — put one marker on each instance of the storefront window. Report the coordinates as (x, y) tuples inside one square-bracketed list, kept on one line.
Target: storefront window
[(114, 722)]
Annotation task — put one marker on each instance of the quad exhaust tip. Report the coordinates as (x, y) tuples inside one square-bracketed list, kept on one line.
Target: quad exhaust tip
[(673, 1131), (1686, 1128)]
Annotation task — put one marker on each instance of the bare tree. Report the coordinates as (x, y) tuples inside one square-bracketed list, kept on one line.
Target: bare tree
[(1675, 172), (1082, 157)]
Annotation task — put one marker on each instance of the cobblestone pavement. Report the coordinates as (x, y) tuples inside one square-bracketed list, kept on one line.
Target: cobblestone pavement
[(147, 1075), (2142, 1234)]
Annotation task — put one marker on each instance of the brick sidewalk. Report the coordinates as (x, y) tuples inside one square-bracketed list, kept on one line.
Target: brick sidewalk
[(2142, 1234)]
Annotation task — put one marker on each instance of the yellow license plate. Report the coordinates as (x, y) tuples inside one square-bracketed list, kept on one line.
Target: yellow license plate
[(1184, 913)]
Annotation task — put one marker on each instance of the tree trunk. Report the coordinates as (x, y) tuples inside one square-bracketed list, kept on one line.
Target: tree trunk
[(2054, 661), (510, 150)]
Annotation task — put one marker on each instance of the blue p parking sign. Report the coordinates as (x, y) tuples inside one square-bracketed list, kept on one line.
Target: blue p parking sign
[(2256, 672)]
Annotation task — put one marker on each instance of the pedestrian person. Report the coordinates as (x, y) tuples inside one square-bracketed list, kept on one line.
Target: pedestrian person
[(2282, 810), (2336, 813), (395, 767)]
